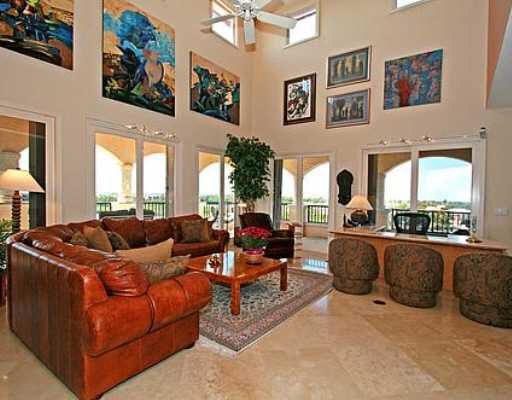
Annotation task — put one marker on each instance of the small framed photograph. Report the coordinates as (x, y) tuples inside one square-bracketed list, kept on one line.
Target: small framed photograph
[(300, 100), (349, 68), (348, 109)]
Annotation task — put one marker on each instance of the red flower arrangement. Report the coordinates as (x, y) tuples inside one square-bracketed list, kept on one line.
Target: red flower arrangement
[(254, 238)]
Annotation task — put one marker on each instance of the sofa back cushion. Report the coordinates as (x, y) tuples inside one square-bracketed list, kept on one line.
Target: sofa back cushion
[(131, 229), (260, 220), (158, 230)]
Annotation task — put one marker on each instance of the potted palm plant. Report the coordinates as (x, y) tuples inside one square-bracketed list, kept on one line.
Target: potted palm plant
[(5, 231)]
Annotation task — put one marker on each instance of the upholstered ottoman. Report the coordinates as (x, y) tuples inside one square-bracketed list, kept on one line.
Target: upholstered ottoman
[(414, 273), (354, 264), (483, 283)]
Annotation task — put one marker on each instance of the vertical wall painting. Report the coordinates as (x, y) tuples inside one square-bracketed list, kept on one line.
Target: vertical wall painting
[(42, 29), (413, 81), (139, 58), (214, 91), (299, 100)]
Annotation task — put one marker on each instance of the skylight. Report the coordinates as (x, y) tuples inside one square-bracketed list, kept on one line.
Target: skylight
[(405, 3), (307, 27), (225, 29)]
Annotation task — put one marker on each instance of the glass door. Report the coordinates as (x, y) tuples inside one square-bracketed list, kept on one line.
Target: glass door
[(210, 171)]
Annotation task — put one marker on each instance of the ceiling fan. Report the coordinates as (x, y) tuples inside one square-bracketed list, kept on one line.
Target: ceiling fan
[(249, 10)]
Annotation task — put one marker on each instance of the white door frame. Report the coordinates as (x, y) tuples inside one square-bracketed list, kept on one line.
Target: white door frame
[(300, 179), (94, 126), (53, 158), (479, 160)]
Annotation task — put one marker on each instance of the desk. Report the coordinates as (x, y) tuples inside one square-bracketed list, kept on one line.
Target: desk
[(450, 247)]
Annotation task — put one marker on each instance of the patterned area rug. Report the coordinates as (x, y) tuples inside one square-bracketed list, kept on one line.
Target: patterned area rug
[(263, 307)]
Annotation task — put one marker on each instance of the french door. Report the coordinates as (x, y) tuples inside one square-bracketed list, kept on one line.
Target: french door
[(134, 176)]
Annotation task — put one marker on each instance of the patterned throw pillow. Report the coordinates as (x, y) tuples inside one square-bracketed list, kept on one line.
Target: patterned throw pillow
[(78, 239), (196, 231), (117, 241), (98, 239), (158, 271)]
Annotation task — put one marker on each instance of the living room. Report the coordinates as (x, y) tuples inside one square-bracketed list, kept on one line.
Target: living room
[(367, 114)]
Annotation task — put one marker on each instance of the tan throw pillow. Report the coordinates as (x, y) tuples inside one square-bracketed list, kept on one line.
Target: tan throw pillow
[(117, 241), (98, 239), (78, 239), (195, 231), (158, 271), (158, 252)]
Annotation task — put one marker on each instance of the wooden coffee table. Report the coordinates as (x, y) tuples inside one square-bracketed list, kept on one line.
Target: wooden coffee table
[(234, 271)]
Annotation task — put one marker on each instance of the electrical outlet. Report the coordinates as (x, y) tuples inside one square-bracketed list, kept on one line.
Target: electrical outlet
[(502, 212)]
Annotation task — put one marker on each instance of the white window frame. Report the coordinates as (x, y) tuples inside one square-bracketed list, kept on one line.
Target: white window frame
[(395, 8), (304, 12), (235, 23), (53, 161), (479, 151), (96, 126)]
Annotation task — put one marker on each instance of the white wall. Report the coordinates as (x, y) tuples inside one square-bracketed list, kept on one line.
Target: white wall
[(457, 26), (74, 96)]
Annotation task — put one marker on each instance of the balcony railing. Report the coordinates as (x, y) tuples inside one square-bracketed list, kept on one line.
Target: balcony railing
[(442, 222), (153, 209), (317, 214), (211, 210), (103, 206)]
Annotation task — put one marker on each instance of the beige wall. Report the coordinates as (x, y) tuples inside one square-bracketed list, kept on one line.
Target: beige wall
[(72, 97), (460, 27)]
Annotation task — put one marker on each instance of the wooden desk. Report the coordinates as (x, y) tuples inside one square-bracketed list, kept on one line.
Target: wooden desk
[(450, 247)]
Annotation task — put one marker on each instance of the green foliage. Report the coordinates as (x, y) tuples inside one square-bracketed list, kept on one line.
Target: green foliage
[(251, 172), (5, 232)]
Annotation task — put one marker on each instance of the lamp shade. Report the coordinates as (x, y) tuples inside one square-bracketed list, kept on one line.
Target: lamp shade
[(18, 180), (360, 203)]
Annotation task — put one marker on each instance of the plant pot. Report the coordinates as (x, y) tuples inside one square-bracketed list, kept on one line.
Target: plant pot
[(254, 257)]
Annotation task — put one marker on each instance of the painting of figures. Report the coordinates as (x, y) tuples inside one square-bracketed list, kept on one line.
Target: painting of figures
[(42, 29), (139, 58), (349, 68), (413, 81), (348, 109), (214, 91), (300, 100)]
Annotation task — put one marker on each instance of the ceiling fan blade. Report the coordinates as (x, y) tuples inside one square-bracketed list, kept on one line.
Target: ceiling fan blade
[(215, 20), (250, 32), (262, 3), (273, 19)]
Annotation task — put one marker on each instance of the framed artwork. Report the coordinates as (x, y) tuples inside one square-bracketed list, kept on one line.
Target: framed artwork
[(348, 109), (214, 91), (139, 58), (348, 68), (414, 80), (300, 100), (42, 29)]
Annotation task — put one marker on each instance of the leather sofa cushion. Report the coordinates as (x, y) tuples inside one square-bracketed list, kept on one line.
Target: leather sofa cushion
[(115, 322), (195, 249), (132, 229), (158, 230), (173, 299), (79, 227)]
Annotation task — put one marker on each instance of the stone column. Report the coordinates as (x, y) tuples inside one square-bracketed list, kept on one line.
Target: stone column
[(126, 194)]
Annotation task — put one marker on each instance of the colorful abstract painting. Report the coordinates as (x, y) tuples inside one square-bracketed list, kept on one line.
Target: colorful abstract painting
[(214, 91), (139, 58), (42, 29), (300, 100), (413, 81)]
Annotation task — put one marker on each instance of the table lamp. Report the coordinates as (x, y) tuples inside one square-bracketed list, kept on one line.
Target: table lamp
[(361, 206), (18, 181)]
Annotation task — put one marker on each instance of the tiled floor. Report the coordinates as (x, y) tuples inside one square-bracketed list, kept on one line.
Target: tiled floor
[(341, 347)]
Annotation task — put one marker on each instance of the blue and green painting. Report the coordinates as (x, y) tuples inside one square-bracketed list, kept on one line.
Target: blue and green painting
[(139, 58), (214, 91), (42, 29)]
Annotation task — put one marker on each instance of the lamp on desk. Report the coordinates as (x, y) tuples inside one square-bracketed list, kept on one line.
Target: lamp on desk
[(361, 206), (18, 181)]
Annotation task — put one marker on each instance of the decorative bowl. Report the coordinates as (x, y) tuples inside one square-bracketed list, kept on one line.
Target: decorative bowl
[(254, 257)]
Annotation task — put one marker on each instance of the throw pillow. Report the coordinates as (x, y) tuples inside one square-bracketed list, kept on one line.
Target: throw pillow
[(176, 232), (159, 271), (158, 252), (195, 231), (131, 229), (117, 241), (79, 239), (98, 239)]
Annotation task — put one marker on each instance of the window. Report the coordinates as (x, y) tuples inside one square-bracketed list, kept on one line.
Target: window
[(445, 183), (306, 28), (407, 3), (226, 29)]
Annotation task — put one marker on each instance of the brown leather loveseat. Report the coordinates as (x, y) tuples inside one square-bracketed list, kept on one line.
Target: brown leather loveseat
[(91, 317)]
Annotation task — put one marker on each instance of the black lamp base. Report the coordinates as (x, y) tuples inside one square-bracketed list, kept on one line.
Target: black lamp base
[(359, 217)]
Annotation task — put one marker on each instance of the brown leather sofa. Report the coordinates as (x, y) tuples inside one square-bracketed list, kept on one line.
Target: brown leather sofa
[(91, 317)]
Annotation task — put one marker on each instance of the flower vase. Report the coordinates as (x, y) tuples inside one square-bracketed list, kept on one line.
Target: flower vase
[(254, 256)]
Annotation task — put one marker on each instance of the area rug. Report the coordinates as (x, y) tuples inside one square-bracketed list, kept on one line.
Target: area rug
[(262, 307)]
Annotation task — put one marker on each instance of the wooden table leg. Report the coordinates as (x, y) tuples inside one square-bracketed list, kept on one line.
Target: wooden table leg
[(235, 298), (284, 279)]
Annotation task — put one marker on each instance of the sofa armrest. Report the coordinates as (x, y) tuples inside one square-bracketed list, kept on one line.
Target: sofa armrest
[(223, 237)]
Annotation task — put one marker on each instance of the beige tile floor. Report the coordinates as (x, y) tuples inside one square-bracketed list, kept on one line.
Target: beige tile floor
[(341, 347)]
